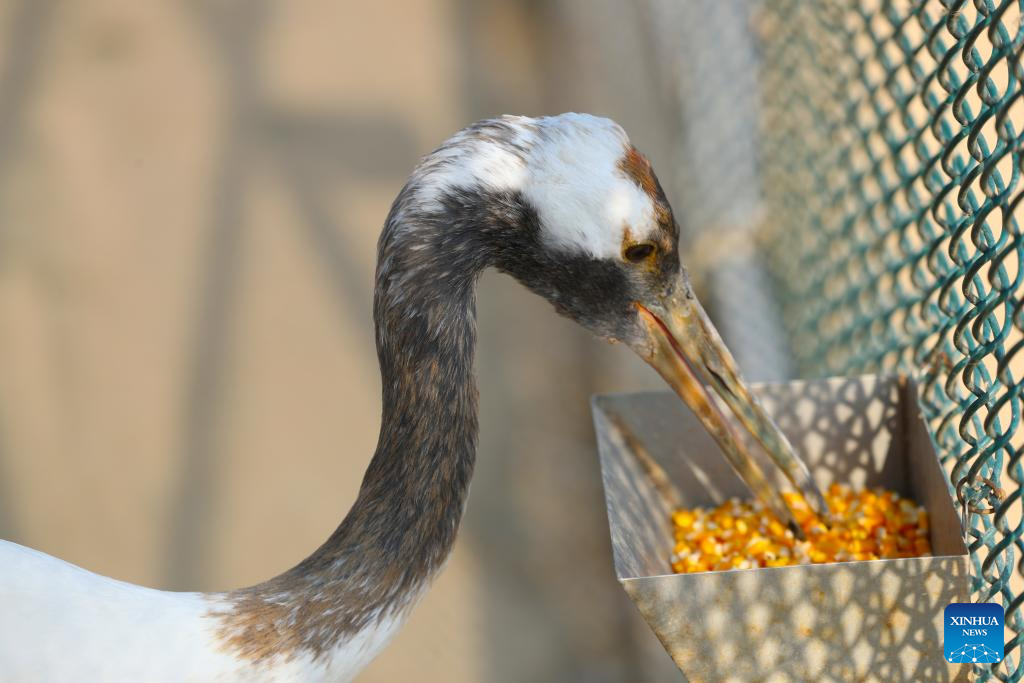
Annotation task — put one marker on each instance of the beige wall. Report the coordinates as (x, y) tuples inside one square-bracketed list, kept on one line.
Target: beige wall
[(190, 195)]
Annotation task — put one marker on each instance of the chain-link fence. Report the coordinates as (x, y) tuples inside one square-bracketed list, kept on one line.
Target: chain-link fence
[(890, 165)]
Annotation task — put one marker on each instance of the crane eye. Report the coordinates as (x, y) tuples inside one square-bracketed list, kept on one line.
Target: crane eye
[(639, 252)]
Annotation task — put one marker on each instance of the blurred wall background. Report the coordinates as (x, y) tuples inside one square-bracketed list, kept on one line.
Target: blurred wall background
[(190, 196)]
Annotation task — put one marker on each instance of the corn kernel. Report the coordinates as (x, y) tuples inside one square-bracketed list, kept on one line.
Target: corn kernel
[(683, 519), (708, 545), (866, 525)]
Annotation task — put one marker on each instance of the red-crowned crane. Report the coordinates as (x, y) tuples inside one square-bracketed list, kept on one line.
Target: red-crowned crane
[(565, 205)]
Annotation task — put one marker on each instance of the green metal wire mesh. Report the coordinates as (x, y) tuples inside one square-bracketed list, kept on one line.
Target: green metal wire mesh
[(891, 161)]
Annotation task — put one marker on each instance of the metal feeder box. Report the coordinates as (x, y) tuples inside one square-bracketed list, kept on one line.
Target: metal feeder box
[(877, 620)]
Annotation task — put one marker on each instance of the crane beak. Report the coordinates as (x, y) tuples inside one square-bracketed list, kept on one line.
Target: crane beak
[(683, 346)]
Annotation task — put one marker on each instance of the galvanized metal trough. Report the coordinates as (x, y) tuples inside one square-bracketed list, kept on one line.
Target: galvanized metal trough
[(877, 620)]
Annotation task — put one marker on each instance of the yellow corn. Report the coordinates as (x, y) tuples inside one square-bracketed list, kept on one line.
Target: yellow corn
[(866, 525)]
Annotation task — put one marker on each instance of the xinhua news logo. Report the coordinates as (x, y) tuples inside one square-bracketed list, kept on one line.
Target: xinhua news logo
[(973, 632)]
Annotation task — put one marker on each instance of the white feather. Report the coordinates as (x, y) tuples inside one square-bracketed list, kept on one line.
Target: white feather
[(465, 161), (584, 200), (569, 174), (60, 623)]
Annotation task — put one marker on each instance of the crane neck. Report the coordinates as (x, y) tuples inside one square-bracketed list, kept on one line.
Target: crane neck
[(403, 524)]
